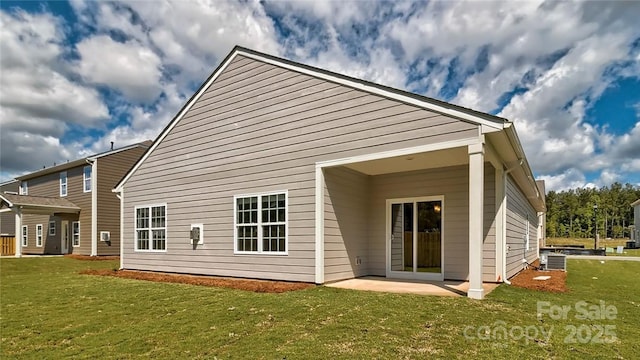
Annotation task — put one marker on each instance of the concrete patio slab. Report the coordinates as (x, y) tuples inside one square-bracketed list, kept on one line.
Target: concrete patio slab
[(437, 288)]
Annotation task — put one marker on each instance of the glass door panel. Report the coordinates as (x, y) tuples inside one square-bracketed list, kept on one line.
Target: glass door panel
[(429, 237)]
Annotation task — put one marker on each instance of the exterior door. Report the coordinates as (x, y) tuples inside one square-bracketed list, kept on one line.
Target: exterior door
[(64, 237), (414, 233)]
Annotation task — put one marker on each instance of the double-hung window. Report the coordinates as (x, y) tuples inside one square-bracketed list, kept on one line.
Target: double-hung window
[(52, 228), (39, 235), (86, 178), (261, 223), (63, 183), (151, 228), (25, 235), (24, 188), (75, 228)]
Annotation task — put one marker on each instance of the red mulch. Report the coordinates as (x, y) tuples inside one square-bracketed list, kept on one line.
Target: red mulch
[(92, 258), (557, 283), (261, 286)]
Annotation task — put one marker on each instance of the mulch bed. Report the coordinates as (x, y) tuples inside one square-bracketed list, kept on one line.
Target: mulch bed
[(92, 258), (261, 286), (557, 283)]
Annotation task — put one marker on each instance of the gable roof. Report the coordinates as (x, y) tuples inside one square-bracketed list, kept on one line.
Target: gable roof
[(637, 202), (81, 161), (42, 203), (489, 123)]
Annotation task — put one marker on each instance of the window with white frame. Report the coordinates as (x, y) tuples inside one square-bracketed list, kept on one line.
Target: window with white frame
[(86, 178), (24, 188), (261, 223), (151, 228), (25, 235), (75, 233), (52, 228), (63, 183), (39, 235)]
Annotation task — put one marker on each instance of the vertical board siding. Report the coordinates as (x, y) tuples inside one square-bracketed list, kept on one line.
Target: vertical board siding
[(346, 223), (110, 170), (261, 128), (49, 185), (518, 208)]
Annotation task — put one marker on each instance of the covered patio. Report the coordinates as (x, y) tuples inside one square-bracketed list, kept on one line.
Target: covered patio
[(35, 205), (419, 287)]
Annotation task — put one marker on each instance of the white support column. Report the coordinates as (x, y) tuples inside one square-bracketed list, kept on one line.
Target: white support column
[(319, 226), (500, 225), (476, 210), (94, 208), (18, 232)]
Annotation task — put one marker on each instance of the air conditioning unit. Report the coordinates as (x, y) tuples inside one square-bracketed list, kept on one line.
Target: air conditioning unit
[(105, 236), (556, 262)]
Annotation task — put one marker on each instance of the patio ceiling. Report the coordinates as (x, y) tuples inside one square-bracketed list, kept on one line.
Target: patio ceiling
[(418, 161)]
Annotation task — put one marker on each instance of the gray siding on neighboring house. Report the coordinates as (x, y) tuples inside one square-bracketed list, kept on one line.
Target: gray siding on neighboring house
[(110, 170), (261, 128), (8, 219), (346, 223), (518, 211), (49, 185), (453, 184)]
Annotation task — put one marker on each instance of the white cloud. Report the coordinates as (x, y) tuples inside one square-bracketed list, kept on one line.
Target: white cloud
[(129, 67), (38, 100)]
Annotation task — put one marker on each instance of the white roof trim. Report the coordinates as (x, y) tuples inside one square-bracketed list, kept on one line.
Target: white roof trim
[(637, 202), (7, 201), (374, 90), (486, 124)]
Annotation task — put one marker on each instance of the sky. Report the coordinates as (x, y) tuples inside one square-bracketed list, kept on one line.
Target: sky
[(77, 75)]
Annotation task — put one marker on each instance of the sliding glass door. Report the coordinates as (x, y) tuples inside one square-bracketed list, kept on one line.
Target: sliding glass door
[(414, 248)]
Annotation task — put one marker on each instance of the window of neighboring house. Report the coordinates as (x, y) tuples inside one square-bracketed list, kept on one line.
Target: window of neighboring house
[(75, 228), (24, 188), (261, 223), (63, 183), (52, 228), (39, 235), (25, 235), (151, 228), (86, 178)]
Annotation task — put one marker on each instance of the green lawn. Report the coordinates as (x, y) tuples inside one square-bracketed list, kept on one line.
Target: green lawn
[(47, 310), (588, 243)]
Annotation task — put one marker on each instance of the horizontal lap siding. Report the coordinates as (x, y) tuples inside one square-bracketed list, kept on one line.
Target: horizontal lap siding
[(452, 182), (345, 227), (8, 219), (489, 247), (262, 128), (110, 171), (518, 208), (49, 185)]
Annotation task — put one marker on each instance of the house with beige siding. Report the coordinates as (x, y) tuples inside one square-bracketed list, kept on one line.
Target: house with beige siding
[(70, 208), (279, 170), (7, 220)]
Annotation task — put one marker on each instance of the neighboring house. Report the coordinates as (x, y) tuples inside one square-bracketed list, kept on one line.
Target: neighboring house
[(70, 208), (7, 219), (278, 170), (636, 221)]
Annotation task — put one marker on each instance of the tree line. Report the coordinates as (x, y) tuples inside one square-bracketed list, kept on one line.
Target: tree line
[(570, 213)]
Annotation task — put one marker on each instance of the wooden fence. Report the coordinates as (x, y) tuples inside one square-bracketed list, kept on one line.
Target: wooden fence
[(7, 245), (429, 249)]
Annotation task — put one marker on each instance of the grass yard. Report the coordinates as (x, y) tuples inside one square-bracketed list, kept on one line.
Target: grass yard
[(48, 310), (588, 243)]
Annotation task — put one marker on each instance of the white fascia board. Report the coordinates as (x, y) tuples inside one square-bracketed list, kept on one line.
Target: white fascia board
[(7, 201), (376, 90), (400, 152)]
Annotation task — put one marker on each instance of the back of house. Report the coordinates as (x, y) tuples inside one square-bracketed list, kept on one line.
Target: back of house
[(278, 170), (70, 208)]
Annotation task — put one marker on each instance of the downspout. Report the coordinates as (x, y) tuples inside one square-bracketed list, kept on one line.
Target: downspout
[(504, 228)]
